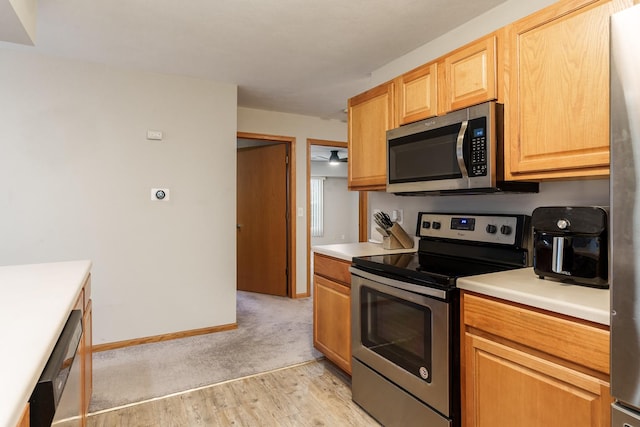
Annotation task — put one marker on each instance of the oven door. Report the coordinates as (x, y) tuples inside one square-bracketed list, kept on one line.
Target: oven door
[(403, 335)]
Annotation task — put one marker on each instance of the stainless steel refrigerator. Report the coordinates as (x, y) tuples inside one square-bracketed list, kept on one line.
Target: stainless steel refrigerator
[(625, 217)]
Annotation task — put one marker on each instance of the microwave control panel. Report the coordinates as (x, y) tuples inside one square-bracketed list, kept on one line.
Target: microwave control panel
[(500, 229), (477, 134)]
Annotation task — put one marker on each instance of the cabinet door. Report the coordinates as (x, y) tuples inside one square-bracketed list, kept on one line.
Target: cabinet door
[(507, 387), (469, 75), (558, 107), (371, 114), (417, 92), (332, 321)]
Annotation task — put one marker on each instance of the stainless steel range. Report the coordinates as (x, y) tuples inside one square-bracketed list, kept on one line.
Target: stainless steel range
[(405, 314)]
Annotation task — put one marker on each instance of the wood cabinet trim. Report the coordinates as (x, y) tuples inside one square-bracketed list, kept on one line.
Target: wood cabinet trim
[(24, 420)]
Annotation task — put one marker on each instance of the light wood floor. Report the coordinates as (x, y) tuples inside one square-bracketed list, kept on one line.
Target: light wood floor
[(312, 394)]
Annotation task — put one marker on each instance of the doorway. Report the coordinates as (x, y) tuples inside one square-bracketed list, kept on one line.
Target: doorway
[(265, 227), (342, 214)]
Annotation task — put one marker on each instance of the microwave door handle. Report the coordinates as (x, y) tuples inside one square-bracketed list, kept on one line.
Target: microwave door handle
[(460, 151), (557, 255)]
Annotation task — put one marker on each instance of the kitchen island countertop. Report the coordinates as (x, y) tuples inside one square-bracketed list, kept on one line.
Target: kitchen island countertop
[(346, 251), (523, 286), (35, 302)]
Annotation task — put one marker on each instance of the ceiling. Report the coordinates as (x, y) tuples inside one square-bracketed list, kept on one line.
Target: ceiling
[(295, 56)]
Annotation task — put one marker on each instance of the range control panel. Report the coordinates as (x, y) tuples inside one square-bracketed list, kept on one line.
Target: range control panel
[(483, 228)]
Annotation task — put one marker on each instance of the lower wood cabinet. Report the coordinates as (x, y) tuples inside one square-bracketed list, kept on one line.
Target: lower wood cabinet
[(332, 310), (527, 367), (24, 418), (85, 352), (87, 358)]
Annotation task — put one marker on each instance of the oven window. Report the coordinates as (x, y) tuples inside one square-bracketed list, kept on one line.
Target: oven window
[(398, 330), (425, 156)]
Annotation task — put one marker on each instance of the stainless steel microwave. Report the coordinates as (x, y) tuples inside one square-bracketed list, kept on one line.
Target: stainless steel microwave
[(460, 152)]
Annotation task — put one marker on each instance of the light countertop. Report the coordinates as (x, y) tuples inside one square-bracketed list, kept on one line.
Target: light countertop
[(523, 286), (35, 302), (346, 251)]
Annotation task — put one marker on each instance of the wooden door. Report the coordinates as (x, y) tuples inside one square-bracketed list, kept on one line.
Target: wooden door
[(262, 219)]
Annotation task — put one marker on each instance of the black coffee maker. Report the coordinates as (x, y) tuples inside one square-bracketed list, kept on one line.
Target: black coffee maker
[(570, 244)]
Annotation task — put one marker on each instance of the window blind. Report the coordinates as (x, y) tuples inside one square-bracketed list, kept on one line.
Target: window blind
[(317, 197)]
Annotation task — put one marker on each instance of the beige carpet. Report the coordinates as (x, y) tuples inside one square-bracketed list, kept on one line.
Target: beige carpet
[(273, 332)]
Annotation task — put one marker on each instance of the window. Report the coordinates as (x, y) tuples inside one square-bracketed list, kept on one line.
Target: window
[(317, 196)]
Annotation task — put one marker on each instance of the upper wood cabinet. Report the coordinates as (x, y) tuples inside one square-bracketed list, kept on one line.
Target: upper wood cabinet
[(557, 103), (417, 94), (469, 75), (370, 115)]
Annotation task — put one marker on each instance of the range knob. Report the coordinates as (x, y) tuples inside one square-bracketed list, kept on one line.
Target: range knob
[(426, 224), (506, 230), (435, 225), (491, 229)]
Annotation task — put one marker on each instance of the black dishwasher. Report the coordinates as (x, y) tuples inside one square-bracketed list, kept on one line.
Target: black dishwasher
[(54, 388)]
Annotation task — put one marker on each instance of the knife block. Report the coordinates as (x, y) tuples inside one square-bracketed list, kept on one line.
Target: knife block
[(401, 236), (391, 242), (396, 238)]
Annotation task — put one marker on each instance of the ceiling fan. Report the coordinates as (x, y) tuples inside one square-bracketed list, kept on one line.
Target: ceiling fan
[(334, 158)]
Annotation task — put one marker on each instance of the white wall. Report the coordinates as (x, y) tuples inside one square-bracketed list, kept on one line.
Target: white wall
[(300, 127), (340, 205), (76, 172)]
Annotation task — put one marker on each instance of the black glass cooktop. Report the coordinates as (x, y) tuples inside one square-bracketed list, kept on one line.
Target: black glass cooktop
[(424, 268)]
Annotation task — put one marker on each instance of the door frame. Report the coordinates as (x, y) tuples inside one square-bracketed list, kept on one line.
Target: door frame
[(291, 200), (362, 205)]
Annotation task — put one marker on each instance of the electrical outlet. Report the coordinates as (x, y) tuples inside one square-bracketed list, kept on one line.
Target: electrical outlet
[(397, 215), (155, 135)]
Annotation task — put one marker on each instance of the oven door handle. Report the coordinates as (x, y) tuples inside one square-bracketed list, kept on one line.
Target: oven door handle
[(422, 290), (460, 149)]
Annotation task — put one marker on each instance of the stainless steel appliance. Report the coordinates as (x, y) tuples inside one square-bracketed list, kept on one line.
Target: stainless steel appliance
[(570, 243), (625, 211), (460, 152), (405, 314), (57, 397)]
